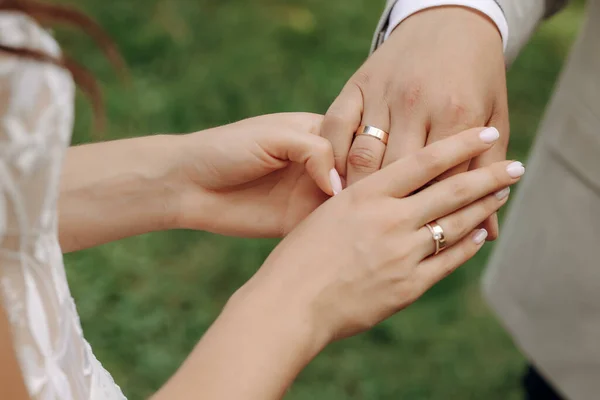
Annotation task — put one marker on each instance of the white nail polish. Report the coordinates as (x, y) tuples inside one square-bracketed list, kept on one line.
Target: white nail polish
[(480, 236), (336, 181), (515, 170), (502, 194), (489, 135)]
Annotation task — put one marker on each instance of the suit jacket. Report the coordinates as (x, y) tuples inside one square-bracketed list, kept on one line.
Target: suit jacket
[(543, 279)]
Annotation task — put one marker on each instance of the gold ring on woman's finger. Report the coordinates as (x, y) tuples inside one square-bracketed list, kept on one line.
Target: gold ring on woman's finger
[(437, 233)]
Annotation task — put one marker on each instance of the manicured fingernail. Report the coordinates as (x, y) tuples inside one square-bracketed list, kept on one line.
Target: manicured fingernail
[(336, 181), (502, 194), (515, 170), (489, 135), (480, 236)]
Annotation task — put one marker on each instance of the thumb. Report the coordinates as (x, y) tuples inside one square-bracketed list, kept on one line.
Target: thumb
[(316, 153)]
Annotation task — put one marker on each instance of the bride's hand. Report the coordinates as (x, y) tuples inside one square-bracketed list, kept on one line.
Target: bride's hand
[(367, 253), (355, 261), (257, 177)]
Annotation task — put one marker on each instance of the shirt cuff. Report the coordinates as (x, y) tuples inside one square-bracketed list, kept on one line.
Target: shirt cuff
[(405, 8)]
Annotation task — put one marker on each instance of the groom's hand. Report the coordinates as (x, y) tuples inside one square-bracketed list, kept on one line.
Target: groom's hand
[(440, 72)]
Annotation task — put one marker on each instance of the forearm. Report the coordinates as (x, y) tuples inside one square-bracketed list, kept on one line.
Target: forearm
[(116, 189), (253, 351)]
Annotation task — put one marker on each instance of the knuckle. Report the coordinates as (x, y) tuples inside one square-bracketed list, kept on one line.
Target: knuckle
[(462, 111), (323, 146), (412, 94), (364, 159), (361, 78), (455, 107), (342, 115), (460, 192)]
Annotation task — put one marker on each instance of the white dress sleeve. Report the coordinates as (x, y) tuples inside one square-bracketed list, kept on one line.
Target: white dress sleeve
[(36, 119)]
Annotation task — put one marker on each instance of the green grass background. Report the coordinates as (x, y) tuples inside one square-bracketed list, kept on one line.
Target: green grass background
[(145, 301)]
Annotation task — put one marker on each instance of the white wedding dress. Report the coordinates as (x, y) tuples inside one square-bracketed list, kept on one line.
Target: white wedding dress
[(36, 119)]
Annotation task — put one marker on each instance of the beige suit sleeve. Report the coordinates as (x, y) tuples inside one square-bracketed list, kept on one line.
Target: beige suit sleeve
[(523, 17)]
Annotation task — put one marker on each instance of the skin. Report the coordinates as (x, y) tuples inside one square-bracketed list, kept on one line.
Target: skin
[(307, 295), (440, 72), (258, 175), (377, 261)]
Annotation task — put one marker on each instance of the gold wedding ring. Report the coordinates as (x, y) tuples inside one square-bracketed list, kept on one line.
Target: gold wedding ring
[(377, 133), (438, 236)]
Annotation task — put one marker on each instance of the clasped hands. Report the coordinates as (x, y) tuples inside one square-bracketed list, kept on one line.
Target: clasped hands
[(433, 85), (349, 258)]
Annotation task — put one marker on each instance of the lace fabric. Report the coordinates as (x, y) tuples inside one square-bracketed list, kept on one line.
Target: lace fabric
[(36, 120)]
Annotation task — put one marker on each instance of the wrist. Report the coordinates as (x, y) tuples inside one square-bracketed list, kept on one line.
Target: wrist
[(116, 189), (470, 20), (288, 315), (154, 178), (192, 205), (255, 342)]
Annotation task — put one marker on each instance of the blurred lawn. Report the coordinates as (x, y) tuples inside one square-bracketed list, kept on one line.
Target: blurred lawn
[(145, 301)]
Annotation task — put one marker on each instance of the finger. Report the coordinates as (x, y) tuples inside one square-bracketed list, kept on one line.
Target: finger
[(316, 153), (459, 224), (411, 173), (500, 119), (340, 123), (408, 128), (461, 190), (492, 225), (366, 152), (433, 269), (452, 118)]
